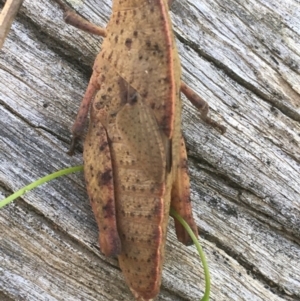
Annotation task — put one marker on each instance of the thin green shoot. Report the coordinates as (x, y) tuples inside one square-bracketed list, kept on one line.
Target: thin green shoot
[(200, 252), (39, 182)]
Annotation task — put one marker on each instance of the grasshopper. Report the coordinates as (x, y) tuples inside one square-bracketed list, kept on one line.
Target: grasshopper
[(135, 160)]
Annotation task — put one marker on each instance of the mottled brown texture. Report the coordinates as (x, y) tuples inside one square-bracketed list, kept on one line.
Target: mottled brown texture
[(100, 186), (138, 116), (137, 113), (139, 150), (244, 184)]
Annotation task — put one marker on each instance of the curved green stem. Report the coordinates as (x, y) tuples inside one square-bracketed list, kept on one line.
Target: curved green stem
[(200, 252), (38, 182)]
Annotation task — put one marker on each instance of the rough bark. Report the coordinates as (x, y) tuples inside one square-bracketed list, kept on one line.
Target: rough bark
[(241, 56)]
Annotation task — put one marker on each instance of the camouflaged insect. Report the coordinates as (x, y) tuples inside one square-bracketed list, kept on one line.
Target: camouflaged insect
[(135, 159)]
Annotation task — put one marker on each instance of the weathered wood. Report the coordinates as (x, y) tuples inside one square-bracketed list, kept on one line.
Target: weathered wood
[(7, 16), (243, 58)]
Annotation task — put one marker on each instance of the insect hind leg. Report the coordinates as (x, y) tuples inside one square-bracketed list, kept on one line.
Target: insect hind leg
[(180, 198)]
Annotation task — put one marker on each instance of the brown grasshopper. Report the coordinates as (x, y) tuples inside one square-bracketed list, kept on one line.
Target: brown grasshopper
[(135, 160)]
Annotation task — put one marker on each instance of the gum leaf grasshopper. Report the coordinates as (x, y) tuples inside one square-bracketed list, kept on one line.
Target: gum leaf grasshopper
[(135, 160)]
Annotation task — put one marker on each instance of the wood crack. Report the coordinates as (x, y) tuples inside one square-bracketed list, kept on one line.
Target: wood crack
[(251, 269), (34, 126), (82, 62), (286, 232), (275, 100)]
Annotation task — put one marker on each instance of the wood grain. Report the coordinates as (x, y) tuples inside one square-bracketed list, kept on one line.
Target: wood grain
[(241, 56), (7, 16)]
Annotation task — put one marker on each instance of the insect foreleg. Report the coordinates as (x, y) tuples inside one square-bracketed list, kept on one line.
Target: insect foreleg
[(72, 18)]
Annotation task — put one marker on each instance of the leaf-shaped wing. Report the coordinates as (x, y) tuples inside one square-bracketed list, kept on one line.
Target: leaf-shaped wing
[(138, 127)]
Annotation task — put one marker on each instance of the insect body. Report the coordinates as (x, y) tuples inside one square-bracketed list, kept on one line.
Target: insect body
[(134, 155)]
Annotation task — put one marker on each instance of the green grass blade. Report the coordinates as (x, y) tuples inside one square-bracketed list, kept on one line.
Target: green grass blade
[(39, 182), (200, 252)]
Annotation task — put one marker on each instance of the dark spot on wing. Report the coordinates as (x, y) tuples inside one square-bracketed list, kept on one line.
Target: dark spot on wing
[(105, 177), (128, 43)]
